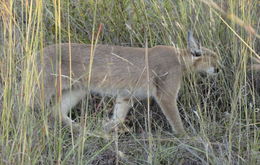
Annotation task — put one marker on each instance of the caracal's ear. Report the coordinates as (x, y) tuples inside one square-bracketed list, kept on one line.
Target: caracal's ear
[(193, 45)]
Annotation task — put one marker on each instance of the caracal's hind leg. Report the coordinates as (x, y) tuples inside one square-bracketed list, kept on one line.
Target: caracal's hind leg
[(69, 99), (121, 109)]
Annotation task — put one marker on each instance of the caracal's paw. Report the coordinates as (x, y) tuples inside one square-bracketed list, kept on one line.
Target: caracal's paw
[(109, 126)]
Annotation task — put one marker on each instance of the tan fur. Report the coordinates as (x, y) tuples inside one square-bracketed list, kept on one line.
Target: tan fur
[(254, 67), (120, 72), (254, 75)]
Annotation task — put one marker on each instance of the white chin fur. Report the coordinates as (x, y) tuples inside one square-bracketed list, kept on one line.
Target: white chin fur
[(211, 71)]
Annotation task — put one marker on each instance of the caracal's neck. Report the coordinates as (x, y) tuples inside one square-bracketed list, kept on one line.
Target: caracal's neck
[(185, 58)]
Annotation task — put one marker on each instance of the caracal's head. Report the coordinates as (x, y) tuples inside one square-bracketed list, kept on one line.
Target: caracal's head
[(203, 59)]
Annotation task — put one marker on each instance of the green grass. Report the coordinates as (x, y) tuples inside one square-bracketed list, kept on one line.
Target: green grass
[(220, 113)]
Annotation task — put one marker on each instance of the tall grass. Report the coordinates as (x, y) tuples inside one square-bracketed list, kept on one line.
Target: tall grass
[(221, 113)]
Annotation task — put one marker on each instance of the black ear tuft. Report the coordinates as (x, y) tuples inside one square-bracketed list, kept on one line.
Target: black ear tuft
[(196, 53)]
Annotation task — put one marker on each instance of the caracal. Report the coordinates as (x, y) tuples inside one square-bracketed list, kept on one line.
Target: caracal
[(71, 71)]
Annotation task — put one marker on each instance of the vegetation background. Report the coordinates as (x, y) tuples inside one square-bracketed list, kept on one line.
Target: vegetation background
[(221, 113)]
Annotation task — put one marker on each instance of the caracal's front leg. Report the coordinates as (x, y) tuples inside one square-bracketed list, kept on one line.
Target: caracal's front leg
[(121, 109), (166, 97)]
